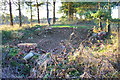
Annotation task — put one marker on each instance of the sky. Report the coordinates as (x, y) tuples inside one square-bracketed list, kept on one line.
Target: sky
[(43, 12), (115, 12)]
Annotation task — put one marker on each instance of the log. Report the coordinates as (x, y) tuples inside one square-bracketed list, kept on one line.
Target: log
[(27, 46)]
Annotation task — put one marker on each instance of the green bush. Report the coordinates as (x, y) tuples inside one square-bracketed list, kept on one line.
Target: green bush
[(13, 51), (6, 34)]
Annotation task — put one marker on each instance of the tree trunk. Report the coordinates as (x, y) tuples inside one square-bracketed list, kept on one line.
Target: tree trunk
[(100, 23), (48, 13), (31, 14), (10, 9), (38, 12), (20, 21), (69, 11), (71, 16), (54, 12), (108, 26)]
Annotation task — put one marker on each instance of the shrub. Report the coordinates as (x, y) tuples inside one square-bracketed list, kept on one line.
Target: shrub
[(16, 35)]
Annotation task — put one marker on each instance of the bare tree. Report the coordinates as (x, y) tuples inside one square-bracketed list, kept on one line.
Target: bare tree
[(37, 5), (20, 20), (38, 11), (54, 1), (47, 3), (10, 9), (108, 21)]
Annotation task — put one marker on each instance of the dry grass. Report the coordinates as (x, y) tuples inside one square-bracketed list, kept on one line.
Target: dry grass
[(17, 27)]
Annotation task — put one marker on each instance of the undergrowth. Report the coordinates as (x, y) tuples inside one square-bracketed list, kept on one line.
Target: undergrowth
[(96, 60), (84, 62)]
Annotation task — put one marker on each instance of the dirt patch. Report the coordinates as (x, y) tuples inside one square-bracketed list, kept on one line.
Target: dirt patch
[(50, 38)]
